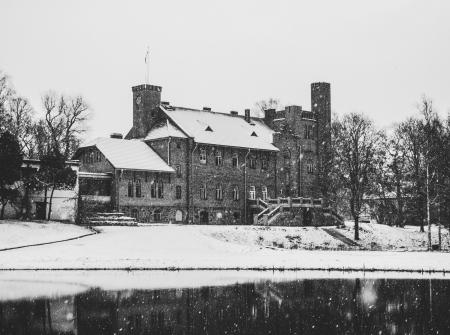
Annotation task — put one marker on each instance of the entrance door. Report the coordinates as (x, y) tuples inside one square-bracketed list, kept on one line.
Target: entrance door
[(40, 210), (178, 216), (204, 217), (307, 217)]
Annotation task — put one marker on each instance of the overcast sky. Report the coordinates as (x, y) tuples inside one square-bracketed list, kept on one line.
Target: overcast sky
[(379, 56)]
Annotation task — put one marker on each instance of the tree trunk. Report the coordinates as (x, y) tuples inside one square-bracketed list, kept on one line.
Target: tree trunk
[(428, 211), (356, 218), (2, 213), (50, 204), (45, 199)]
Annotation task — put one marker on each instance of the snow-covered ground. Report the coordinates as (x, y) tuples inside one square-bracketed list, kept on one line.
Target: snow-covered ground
[(194, 247), (20, 233), (274, 237), (381, 237)]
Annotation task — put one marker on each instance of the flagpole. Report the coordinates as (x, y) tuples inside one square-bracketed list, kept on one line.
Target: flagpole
[(147, 66)]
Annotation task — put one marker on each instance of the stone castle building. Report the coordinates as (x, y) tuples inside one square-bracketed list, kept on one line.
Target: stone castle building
[(199, 166)]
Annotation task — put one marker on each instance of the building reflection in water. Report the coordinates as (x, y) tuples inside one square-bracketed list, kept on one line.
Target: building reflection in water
[(302, 307)]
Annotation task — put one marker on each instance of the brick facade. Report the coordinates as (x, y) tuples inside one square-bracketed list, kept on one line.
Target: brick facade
[(208, 189)]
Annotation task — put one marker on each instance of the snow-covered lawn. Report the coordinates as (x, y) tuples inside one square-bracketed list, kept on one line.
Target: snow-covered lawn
[(381, 237), (20, 233), (193, 247), (274, 237)]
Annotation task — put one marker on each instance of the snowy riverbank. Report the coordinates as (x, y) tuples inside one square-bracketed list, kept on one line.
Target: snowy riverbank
[(16, 234), (210, 247)]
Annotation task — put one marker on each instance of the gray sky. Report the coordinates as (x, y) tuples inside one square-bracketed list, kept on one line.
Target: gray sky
[(379, 56)]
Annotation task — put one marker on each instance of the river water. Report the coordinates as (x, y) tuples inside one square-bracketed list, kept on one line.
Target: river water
[(263, 304)]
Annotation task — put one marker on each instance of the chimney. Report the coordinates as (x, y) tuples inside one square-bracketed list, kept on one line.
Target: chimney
[(269, 115), (116, 135), (234, 113), (146, 98), (207, 109), (247, 115)]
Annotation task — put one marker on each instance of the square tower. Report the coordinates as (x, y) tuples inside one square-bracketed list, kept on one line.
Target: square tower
[(145, 99)]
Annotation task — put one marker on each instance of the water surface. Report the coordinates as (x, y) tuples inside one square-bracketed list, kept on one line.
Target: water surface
[(253, 306)]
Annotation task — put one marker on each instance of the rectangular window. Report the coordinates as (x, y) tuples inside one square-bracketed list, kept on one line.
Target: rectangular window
[(203, 193), (235, 161), (130, 189), (252, 193), (264, 192), (264, 163), (308, 131), (178, 169), (178, 192), (138, 189), (178, 144), (219, 161), (252, 163), (235, 193), (219, 193), (310, 167), (203, 156), (153, 189), (160, 189)]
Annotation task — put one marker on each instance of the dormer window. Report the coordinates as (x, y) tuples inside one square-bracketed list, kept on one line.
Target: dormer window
[(254, 134), (208, 129)]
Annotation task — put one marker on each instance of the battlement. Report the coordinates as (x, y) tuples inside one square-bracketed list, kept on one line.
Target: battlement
[(146, 87)]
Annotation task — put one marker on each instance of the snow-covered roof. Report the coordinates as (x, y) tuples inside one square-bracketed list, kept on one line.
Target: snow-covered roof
[(222, 129), (129, 154), (163, 131)]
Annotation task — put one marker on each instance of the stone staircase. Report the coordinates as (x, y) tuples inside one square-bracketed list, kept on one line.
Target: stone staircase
[(275, 211), (110, 219)]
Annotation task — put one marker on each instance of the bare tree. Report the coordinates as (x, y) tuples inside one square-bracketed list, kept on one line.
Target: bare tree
[(21, 123), (65, 121), (357, 151), (5, 93), (264, 105)]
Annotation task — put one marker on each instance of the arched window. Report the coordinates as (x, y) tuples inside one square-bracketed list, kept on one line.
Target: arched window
[(153, 189), (160, 189), (219, 193), (138, 188), (203, 156), (130, 189), (178, 216), (135, 213), (235, 193), (178, 192)]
